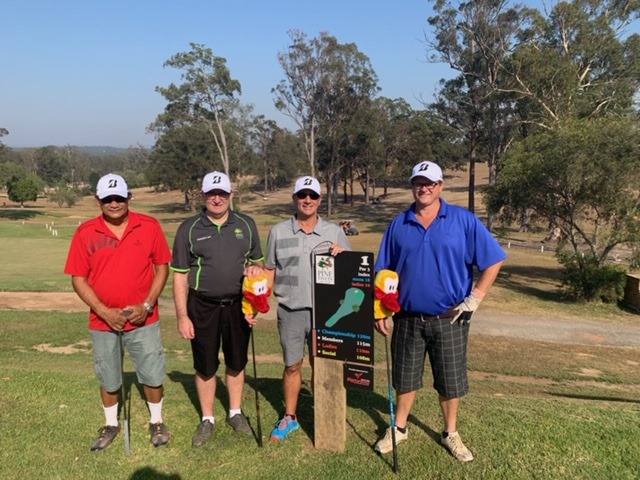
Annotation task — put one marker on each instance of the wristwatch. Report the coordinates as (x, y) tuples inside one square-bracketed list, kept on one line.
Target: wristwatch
[(148, 307)]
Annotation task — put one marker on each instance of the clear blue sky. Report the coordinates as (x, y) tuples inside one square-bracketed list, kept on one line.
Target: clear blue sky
[(80, 72)]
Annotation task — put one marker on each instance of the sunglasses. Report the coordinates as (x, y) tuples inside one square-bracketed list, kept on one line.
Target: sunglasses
[(311, 195), (427, 185), (113, 198)]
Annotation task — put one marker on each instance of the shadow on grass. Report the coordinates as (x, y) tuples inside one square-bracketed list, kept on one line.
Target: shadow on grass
[(21, 214), (593, 397), (148, 473), (522, 279)]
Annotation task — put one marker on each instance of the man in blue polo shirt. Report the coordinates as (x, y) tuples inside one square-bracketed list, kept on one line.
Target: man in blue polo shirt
[(434, 247)]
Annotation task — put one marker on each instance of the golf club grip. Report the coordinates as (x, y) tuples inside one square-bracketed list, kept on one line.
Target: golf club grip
[(255, 388), (391, 411)]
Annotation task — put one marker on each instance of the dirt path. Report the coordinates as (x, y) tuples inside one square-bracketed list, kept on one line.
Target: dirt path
[(549, 329)]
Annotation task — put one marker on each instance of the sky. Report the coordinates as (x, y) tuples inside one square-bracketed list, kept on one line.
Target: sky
[(84, 73)]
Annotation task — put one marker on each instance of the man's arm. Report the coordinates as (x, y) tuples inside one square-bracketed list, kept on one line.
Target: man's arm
[(139, 312), (180, 294), (111, 316), (486, 279)]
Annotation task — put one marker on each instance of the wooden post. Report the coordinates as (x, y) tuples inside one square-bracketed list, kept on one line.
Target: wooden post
[(330, 405)]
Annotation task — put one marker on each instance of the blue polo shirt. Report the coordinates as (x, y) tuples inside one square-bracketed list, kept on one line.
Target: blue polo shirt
[(435, 265)]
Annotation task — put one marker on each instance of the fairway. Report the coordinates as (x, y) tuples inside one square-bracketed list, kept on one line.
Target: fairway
[(536, 409)]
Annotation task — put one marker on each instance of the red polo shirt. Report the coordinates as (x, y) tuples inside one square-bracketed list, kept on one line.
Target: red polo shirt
[(119, 271)]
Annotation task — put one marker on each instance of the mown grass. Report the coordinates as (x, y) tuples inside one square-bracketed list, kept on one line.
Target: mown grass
[(523, 419), (536, 409)]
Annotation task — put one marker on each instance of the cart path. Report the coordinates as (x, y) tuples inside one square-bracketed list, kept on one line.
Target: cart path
[(548, 329)]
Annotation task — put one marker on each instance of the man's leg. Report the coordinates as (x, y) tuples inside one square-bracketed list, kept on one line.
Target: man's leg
[(206, 388), (403, 408), (291, 385), (235, 386), (449, 407)]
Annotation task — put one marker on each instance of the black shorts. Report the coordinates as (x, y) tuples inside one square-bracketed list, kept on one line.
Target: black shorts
[(215, 323), (446, 344)]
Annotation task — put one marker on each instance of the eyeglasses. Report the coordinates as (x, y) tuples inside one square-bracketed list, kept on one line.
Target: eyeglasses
[(113, 198), (217, 193), (304, 194), (427, 185)]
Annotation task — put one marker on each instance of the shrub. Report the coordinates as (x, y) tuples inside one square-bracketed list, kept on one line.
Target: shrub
[(585, 279)]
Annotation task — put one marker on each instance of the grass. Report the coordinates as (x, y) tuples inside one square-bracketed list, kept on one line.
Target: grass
[(523, 419), (536, 409)]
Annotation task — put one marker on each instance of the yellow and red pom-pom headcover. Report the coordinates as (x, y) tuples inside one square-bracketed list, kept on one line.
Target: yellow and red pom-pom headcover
[(256, 294), (385, 289)]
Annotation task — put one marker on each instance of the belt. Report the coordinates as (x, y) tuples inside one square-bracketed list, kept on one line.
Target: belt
[(452, 312), (221, 302)]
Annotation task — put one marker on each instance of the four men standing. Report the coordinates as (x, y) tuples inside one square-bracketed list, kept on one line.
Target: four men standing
[(433, 246)]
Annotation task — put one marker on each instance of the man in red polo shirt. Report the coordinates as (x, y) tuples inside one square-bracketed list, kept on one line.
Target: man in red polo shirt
[(119, 264)]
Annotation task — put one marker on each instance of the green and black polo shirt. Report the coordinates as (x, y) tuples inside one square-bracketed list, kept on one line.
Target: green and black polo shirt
[(216, 256)]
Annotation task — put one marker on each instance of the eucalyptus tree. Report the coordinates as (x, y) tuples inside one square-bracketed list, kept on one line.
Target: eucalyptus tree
[(179, 160), (475, 38), (576, 60), (325, 83), (199, 99), (581, 176)]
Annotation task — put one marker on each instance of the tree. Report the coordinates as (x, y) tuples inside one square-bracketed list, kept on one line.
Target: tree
[(24, 189), (582, 176), (576, 61), (475, 38), (64, 193), (199, 99), (179, 160), (10, 170)]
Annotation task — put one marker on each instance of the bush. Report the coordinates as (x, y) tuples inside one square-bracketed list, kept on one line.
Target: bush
[(585, 279)]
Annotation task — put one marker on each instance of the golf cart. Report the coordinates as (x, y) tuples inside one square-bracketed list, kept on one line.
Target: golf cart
[(349, 227)]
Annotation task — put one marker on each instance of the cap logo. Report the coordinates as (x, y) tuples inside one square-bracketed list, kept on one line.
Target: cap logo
[(113, 183), (216, 179), (307, 182), (423, 167)]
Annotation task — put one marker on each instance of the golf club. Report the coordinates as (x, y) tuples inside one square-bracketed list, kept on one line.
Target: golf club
[(391, 413), (255, 388), (127, 438)]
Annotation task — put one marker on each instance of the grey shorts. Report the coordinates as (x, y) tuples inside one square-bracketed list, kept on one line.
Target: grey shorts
[(446, 344), (295, 328), (145, 349)]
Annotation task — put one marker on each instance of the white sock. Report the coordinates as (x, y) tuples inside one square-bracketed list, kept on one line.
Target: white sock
[(111, 415), (234, 411), (211, 419), (155, 409)]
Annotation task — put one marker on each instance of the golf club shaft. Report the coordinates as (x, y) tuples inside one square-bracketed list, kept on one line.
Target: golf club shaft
[(127, 438), (391, 412), (255, 388)]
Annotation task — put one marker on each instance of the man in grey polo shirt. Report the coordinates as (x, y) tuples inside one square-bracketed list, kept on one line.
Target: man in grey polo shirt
[(212, 252), (288, 264)]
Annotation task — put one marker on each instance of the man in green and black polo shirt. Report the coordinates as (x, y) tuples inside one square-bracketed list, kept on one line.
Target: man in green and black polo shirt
[(212, 253)]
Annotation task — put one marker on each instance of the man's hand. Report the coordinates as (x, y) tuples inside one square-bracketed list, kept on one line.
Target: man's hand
[(253, 271), (252, 320), (382, 326), (114, 317), (336, 249), (185, 328), (136, 314), (469, 305)]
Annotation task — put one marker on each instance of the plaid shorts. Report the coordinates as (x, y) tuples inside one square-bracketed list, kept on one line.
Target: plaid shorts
[(446, 345)]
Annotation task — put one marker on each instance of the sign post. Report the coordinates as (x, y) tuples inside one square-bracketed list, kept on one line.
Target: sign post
[(342, 340)]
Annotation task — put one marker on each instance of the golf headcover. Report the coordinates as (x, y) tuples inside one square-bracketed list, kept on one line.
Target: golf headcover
[(255, 295), (385, 290)]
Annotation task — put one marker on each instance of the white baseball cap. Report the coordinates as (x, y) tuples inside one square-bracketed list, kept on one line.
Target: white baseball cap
[(307, 183), (427, 170), (216, 181), (112, 184)]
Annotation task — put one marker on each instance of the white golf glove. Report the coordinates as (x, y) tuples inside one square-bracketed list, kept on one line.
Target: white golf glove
[(469, 305)]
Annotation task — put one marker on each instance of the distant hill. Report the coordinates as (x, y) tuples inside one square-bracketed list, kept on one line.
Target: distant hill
[(91, 150), (103, 151)]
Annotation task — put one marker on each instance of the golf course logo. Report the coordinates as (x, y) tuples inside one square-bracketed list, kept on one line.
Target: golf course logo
[(325, 270), (238, 233)]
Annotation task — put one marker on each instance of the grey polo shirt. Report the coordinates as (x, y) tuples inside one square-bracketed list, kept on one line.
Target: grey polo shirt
[(215, 256), (289, 251)]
